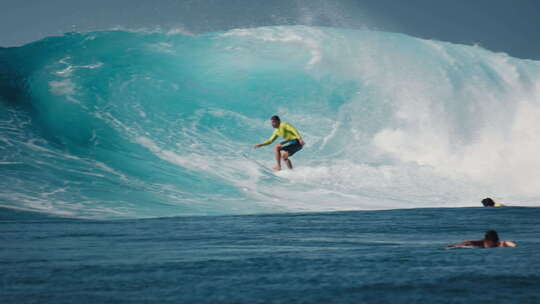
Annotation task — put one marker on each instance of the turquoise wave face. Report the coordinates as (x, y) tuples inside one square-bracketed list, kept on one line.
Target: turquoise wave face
[(137, 124)]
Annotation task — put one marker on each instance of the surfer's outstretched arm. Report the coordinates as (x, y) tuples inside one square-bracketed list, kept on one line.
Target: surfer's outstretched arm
[(509, 244), (466, 243), (268, 141)]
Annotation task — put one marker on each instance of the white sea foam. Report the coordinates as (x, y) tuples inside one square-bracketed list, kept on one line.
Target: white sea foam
[(309, 38), (62, 87)]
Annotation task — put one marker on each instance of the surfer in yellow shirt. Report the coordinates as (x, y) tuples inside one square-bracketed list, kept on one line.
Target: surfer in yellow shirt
[(285, 149)]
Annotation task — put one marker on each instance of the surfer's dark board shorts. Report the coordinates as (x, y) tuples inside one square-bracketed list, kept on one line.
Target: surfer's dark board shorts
[(291, 146)]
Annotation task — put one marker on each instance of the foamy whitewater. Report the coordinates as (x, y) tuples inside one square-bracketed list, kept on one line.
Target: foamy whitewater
[(132, 124)]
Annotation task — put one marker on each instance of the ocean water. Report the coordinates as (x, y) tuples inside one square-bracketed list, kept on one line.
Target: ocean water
[(127, 174), (119, 124), (383, 256)]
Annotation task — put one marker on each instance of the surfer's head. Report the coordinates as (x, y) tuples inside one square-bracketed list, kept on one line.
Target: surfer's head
[(491, 238), (488, 202), (275, 121)]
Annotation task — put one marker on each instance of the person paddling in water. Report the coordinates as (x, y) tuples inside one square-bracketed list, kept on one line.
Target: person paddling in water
[(490, 240), (488, 202), (292, 144)]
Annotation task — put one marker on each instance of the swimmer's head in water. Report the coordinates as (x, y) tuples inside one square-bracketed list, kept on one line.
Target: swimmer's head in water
[(275, 121), (492, 238), (488, 202)]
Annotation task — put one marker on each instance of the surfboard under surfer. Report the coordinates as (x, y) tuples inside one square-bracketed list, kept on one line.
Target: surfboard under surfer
[(285, 149)]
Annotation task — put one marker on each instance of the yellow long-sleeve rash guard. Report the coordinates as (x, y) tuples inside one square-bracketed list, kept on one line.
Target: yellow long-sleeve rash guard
[(284, 130)]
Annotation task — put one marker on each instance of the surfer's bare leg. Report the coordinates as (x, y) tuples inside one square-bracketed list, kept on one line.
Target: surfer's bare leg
[(285, 156), (278, 157)]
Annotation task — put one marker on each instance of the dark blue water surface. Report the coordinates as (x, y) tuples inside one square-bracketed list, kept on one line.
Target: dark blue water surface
[(344, 257)]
